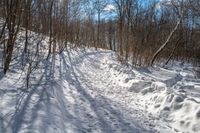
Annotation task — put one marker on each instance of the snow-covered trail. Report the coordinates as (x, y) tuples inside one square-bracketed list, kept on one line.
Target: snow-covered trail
[(90, 91), (93, 81), (107, 96), (72, 93)]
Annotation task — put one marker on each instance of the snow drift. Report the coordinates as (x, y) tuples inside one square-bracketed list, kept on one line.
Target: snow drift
[(84, 90)]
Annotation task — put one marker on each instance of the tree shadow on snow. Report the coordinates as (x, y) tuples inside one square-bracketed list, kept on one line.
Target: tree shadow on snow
[(45, 108), (100, 104)]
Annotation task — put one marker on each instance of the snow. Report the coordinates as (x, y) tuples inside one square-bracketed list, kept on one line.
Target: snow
[(84, 90)]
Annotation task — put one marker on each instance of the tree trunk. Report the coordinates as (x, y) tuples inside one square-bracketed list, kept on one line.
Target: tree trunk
[(166, 42)]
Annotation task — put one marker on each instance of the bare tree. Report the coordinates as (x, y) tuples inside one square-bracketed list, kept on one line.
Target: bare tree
[(51, 2), (99, 6), (180, 13), (13, 12)]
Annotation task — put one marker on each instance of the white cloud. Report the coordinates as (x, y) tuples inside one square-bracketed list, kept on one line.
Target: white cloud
[(158, 6), (163, 2), (109, 8)]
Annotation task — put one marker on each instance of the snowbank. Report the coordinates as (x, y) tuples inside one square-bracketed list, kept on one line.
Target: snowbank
[(171, 94), (84, 90)]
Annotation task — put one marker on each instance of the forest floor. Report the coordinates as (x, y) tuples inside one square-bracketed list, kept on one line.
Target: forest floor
[(90, 91)]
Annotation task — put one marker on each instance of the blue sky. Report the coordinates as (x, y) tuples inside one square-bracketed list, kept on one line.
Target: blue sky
[(110, 9)]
